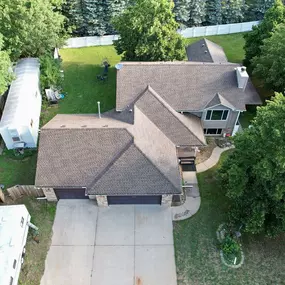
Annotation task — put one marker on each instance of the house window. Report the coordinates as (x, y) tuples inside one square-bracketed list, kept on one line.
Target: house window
[(31, 123), (212, 131), (217, 115), (14, 263), (22, 222), (16, 139)]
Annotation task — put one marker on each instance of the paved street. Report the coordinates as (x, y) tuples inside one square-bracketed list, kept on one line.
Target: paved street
[(118, 245)]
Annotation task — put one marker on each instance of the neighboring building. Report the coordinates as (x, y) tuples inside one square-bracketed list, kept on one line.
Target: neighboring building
[(131, 155), (206, 51), (14, 226), (19, 124)]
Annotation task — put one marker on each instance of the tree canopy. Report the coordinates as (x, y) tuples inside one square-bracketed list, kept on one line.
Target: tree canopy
[(270, 65), (254, 40), (148, 32), (253, 174), (31, 28), (5, 66)]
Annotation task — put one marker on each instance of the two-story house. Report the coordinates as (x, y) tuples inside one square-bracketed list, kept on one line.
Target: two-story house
[(131, 155)]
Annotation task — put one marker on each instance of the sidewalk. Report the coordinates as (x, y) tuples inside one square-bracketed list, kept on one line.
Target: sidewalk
[(193, 199), (213, 160)]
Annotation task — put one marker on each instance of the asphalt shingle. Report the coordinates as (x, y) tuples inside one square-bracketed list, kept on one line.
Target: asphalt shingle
[(185, 86)]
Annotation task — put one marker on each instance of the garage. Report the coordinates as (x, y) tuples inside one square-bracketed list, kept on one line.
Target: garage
[(70, 193), (134, 200)]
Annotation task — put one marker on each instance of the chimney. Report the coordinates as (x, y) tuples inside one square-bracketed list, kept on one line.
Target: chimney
[(242, 77)]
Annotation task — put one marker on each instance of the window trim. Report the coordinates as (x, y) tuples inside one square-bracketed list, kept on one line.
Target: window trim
[(222, 120)]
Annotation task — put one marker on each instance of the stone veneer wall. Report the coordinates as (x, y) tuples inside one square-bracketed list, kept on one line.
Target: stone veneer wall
[(166, 200), (49, 193), (102, 200)]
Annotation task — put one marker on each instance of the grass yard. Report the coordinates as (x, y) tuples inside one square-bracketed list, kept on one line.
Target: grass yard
[(197, 257), (82, 89), (17, 170), (42, 215)]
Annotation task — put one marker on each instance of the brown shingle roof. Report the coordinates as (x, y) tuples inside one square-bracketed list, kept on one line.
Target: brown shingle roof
[(185, 86), (74, 155), (206, 51), (219, 100), (179, 129), (133, 174)]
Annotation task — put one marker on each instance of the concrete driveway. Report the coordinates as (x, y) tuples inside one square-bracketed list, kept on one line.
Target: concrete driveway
[(118, 245)]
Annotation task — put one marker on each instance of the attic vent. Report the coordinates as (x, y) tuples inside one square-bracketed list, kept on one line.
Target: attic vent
[(105, 126), (63, 126), (84, 126)]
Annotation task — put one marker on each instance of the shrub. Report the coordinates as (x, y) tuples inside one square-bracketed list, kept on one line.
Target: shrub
[(230, 246), (50, 73)]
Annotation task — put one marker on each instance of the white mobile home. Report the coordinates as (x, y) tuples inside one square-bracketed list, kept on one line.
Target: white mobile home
[(19, 124), (14, 226)]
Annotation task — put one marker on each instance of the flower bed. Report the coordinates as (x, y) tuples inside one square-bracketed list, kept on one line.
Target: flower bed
[(231, 252)]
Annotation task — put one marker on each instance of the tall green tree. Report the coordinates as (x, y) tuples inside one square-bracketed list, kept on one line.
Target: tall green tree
[(197, 13), (254, 174), (74, 10), (30, 28), (270, 65), (182, 11), (148, 32), (190, 12), (258, 8), (214, 12), (5, 66), (114, 9), (232, 11), (254, 40)]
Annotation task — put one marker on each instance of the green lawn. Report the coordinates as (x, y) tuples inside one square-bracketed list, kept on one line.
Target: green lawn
[(197, 256), (42, 215), (82, 89), (17, 170)]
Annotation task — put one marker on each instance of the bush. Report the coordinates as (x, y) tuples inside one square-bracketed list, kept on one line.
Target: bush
[(230, 246), (50, 73)]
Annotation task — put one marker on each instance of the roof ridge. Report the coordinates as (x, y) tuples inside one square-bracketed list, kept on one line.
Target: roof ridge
[(171, 110), (138, 63), (155, 165), (116, 157), (208, 50)]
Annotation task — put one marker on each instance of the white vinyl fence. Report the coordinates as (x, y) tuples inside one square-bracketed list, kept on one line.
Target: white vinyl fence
[(187, 33)]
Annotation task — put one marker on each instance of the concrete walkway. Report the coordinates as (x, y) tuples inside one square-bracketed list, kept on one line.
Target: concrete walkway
[(193, 200), (212, 160)]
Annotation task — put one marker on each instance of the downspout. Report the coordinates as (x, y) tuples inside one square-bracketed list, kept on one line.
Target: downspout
[(237, 119)]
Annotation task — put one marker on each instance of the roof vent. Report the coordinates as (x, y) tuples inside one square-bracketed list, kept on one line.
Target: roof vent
[(206, 51), (63, 126), (131, 110), (242, 77), (203, 45), (84, 126), (105, 126), (119, 66)]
